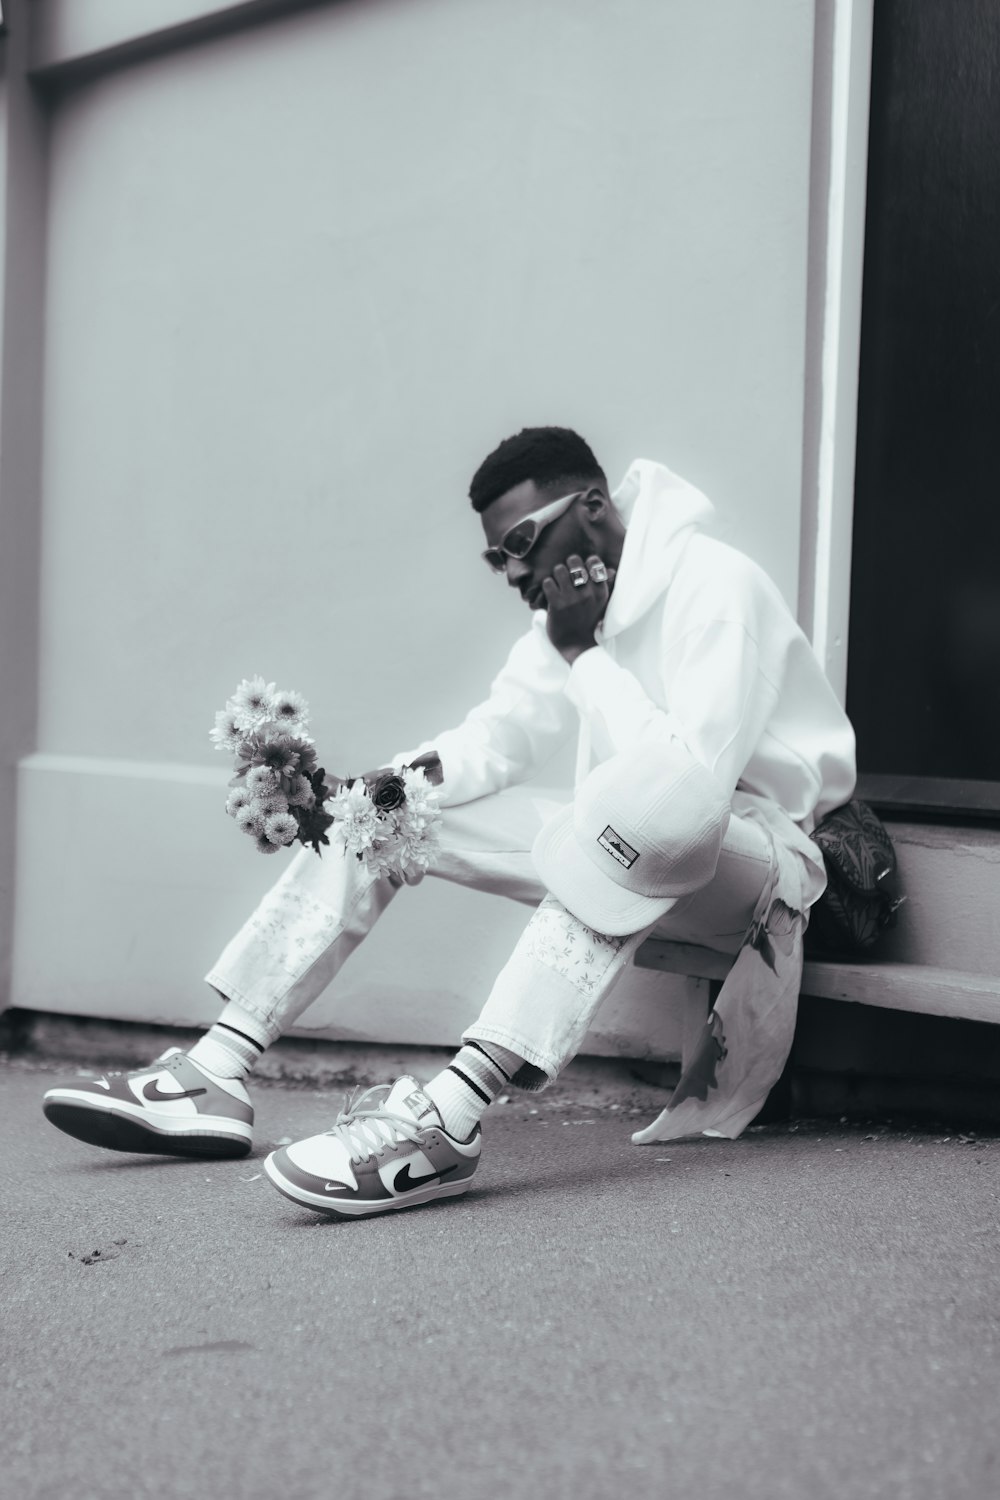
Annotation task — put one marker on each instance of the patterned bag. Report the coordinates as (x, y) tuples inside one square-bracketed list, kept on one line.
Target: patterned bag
[(862, 894)]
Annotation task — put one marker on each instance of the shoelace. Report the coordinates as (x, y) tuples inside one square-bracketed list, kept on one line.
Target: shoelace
[(366, 1131)]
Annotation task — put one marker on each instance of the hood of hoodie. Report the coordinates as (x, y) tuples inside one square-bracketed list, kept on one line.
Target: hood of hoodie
[(661, 511)]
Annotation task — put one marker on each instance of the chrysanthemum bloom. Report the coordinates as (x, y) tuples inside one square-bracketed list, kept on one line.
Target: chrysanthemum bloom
[(238, 797), (422, 799), (307, 757), (419, 826), (416, 851), (357, 823), (249, 819), (281, 828), (252, 702), (227, 734), (261, 781), (291, 711), (301, 794), (267, 806), (280, 754), (264, 846), (385, 857)]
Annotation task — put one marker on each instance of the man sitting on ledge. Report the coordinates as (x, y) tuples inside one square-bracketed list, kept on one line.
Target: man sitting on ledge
[(709, 744)]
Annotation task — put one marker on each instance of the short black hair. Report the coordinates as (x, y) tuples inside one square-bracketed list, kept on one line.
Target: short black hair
[(548, 456)]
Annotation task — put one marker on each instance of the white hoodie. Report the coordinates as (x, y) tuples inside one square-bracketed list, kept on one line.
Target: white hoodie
[(697, 643)]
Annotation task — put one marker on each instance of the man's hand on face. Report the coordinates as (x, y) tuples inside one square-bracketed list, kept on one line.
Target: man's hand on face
[(575, 610)]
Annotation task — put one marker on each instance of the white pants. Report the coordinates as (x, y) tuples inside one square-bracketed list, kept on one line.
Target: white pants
[(547, 994)]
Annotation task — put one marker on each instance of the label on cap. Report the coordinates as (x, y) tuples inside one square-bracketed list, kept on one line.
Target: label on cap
[(617, 847)]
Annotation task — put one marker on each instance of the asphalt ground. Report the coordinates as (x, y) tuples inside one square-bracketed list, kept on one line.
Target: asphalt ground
[(810, 1311)]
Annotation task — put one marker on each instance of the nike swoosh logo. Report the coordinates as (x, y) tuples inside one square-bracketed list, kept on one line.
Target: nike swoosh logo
[(155, 1094), (404, 1183)]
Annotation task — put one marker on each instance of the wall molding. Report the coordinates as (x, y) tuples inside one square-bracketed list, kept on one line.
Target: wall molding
[(842, 82), (24, 155), (131, 880), (73, 44)]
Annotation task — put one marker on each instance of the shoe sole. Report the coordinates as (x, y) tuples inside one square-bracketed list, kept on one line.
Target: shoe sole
[(362, 1207), (117, 1130)]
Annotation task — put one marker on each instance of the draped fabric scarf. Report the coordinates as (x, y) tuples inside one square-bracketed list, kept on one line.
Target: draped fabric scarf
[(748, 1033)]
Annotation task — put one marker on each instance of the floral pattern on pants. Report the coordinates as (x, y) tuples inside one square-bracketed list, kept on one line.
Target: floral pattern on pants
[(548, 992), (293, 926), (564, 944)]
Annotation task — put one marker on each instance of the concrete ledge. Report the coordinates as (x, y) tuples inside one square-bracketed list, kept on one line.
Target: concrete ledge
[(894, 986)]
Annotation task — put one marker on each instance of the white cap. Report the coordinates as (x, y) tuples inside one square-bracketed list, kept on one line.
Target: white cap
[(643, 828)]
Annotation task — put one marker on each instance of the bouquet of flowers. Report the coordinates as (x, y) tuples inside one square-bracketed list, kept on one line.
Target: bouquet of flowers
[(281, 795)]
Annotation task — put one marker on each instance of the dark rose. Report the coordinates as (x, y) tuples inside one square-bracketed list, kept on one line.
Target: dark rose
[(388, 792)]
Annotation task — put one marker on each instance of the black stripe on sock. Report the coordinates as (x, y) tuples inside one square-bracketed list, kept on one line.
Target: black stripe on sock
[(491, 1059), (236, 1032), (471, 1084)]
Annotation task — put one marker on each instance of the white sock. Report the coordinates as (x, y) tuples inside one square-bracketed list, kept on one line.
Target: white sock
[(469, 1084), (231, 1047)]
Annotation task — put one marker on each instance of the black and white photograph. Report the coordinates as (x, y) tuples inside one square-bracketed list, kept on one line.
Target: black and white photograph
[(533, 465)]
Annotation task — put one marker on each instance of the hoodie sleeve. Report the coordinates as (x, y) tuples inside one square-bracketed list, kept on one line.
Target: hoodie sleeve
[(719, 698), (501, 741)]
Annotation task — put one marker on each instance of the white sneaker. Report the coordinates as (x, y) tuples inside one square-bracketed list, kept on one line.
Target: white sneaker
[(389, 1150), (171, 1108)]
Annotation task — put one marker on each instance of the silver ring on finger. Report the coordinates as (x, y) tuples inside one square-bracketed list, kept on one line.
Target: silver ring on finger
[(579, 577), (598, 572)]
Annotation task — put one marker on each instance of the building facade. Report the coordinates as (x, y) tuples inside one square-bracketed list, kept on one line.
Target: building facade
[(276, 277)]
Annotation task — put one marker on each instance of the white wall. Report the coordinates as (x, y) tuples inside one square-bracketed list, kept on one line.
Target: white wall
[(301, 279)]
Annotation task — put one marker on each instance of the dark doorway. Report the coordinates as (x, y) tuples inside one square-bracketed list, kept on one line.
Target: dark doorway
[(924, 650)]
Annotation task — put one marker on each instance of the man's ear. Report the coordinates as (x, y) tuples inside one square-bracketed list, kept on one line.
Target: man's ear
[(596, 504)]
